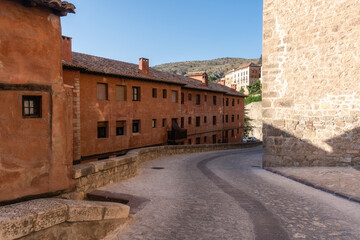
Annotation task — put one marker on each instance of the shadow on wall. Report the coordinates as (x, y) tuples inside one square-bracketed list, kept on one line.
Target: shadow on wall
[(282, 149)]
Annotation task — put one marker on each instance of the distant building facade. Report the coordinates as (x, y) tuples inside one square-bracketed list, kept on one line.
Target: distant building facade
[(243, 76)]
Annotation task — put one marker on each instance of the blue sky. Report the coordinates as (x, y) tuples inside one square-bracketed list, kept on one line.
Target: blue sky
[(166, 30)]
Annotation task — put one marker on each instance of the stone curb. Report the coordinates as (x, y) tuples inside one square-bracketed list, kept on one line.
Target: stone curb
[(21, 219), (316, 186)]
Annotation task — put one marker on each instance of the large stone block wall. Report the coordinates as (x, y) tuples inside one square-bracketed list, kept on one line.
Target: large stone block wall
[(311, 76)]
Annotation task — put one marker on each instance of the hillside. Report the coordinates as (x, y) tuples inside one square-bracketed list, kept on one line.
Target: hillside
[(215, 68)]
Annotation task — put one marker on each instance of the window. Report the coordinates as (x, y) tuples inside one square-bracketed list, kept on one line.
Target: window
[(226, 118), (120, 93), (136, 126), (197, 140), (164, 122), (214, 139), (205, 119), (197, 121), (136, 93), (205, 98), (205, 139), (182, 98), (31, 106), (102, 129), (154, 93), (182, 122), (164, 93), (233, 102), (214, 120), (120, 128), (174, 96), (189, 97), (214, 100), (232, 118), (153, 123), (227, 102), (197, 99), (102, 91), (189, 120), (189, 141)]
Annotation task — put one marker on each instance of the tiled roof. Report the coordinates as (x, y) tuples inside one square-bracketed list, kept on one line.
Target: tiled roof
[(89, 63), (61, 8)]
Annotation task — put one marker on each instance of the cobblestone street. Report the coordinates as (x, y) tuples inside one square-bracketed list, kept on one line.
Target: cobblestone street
[(225, 195)]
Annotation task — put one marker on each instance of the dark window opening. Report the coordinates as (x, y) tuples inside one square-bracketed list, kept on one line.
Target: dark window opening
[(136, 126), (154, 92), (120, 128), (31, 106), (136, 93), (102, 129)]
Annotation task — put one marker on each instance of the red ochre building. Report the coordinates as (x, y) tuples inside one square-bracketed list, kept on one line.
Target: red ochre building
[(58, 107), (120, 106)]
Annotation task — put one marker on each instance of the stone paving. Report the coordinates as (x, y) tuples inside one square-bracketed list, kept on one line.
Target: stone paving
[(342, 181), (187, 202)]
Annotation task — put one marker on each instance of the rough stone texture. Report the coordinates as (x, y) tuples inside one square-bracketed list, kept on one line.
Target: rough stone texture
[(342, 181), (254, 112), (59, 218), (311, 71), (35, 153), (89, 176)]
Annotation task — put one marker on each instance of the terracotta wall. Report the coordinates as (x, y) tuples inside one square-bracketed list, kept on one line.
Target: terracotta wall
[(35, 155)]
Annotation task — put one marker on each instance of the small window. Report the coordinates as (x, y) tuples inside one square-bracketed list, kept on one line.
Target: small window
[(214, 120), (136, 126), (197, 99), (164, 93), (214, 100), (182, 98), (31, 106), (189, 141), (197, 121), (153, 124), (205, 119), (232, 118), (189, 97), (189, 120), (182, 122), (214, 139), (102, 91), (205, 98), (205, 139), (154, 93), (174, 96), (164, 122), (136, 93), (102, 129), (226, 118), (233, 102), (120, 93), (120, 128), (197, 140)]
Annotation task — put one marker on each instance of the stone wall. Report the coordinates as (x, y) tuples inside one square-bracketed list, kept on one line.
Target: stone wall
[(254, 112), (89, 176), (311, 75)]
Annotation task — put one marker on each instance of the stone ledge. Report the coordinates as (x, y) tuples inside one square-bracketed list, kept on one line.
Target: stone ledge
[(21, 219)]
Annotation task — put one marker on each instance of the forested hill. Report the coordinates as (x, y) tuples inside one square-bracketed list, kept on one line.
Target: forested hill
[(215, 68)]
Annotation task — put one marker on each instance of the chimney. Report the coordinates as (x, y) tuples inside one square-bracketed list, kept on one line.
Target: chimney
[(144, 66), (66, 49), (205, 80)]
